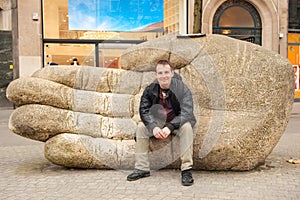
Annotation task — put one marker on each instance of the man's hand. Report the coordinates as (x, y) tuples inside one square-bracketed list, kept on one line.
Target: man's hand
[(161, 133), (158, 133), (166, 131)]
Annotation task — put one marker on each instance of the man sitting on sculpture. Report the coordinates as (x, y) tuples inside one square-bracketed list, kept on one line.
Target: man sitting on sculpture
[(166, 107)]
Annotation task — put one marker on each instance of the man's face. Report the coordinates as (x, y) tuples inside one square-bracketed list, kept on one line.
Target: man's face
[(164, 74)]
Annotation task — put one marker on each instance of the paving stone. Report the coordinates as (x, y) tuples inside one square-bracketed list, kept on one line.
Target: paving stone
[(26, 174)]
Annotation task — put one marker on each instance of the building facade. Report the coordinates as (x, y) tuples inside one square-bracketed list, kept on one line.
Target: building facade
[(269, 18), (44, 31)]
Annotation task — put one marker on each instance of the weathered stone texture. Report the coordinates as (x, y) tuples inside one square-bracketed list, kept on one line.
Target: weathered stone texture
[(243, 95), (102, 80), (40, 91), (40, 122)]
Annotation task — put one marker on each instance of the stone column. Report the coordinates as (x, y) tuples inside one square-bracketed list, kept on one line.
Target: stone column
[(5, 15), (283, 27), (27, 36)]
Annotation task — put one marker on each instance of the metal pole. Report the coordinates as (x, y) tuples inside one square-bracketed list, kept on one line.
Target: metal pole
[(97, 54)]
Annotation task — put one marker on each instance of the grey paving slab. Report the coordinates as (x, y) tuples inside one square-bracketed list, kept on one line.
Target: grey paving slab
[(26, 174)]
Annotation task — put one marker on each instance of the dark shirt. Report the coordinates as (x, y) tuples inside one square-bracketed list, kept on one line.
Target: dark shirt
[(166, 111)]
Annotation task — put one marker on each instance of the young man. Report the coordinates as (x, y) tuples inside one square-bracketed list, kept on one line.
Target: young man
[(166, 108)]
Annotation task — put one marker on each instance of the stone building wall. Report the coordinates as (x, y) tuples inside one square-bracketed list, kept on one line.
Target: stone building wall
[(273, 13), (6, 59)]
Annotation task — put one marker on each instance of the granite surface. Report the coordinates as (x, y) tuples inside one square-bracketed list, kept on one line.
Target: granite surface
[(243, 96)]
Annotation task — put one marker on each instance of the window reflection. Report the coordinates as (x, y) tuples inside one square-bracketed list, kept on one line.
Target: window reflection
[(236, 16), (56, 22), (63, 54), (238, 19)]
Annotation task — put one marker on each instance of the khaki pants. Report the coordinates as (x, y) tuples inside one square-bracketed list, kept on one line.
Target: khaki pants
[(185, 134)]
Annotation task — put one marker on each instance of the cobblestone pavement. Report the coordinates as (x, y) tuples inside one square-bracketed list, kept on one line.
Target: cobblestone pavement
[(26, 174)]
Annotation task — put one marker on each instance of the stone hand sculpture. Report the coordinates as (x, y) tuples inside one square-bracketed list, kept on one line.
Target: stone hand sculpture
[(87, 116)]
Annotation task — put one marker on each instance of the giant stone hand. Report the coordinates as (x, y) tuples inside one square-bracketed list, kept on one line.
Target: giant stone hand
[(87, 116)]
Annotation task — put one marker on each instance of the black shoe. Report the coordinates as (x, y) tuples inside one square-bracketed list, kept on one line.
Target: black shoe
[(187, 178), (137, 174)]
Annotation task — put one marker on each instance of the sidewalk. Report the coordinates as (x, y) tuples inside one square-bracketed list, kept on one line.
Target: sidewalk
[(26, 174)]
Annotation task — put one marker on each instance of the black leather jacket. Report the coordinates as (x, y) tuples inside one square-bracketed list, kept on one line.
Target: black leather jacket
[(181, 100)]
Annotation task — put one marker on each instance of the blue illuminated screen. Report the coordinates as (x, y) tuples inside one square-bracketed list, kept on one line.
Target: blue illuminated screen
[(115, 15)]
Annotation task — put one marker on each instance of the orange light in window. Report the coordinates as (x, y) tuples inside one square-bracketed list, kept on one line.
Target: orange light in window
[(226, 32)]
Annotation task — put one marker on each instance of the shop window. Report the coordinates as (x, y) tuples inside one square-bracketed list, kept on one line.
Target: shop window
[(128, 20), (294, 15), (294, 41), (114, 20)]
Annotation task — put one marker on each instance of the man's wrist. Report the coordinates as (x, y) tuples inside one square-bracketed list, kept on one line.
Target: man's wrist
[(170, 127), (151, 127)]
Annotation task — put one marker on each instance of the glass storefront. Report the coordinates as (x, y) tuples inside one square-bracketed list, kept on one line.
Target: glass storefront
[(58, 53), (294, 41), (96, 32), (294, 58)]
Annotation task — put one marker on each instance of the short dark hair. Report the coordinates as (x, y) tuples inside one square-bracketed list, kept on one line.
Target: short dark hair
[(165, 62)]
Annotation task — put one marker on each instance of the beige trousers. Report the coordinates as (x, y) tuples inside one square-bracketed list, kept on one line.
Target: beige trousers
[(185, 134)]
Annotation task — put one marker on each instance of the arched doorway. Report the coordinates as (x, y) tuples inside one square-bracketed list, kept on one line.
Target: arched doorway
[(238, 19)]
